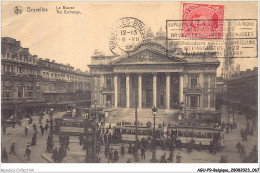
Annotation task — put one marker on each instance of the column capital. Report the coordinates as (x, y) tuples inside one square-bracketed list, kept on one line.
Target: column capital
[(155, 74), (140, 74), (168, 74), (127, 74)]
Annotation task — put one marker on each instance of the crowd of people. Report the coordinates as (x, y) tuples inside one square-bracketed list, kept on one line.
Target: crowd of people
[(169, 142)]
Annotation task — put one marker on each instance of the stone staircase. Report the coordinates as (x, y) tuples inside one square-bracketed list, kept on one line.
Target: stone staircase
[(143, 115)]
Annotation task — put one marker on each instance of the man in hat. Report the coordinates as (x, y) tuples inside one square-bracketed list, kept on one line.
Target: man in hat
[(12, 149), (116, 157), (26, 131), (110, 155), (27, 151), (122, 150)]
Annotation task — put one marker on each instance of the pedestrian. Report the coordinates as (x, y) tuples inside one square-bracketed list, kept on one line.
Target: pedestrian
[(84, 142), (106, 151), (122, 150), (4, 154), (67, 141), (105, 138), (26, 131), (170, 158), (242, 153), (27, 151), (227, 129), (163, 159), (80, 139), (12, 149), (200, 146), (143, 153), (110, 155), (34, 127), (130, 150), (116, 157), (238, 147), (46, 127), (42, 130), (178, 158), (55, 155), (4, 129), (109, 138)]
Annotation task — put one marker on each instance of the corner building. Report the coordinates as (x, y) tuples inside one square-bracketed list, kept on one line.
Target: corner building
[(31, 85), (152, 76)]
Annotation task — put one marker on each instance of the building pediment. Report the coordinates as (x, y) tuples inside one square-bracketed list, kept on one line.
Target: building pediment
[(147, 56), (195, 90)]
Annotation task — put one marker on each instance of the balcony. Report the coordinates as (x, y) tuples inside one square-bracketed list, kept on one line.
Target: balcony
[(32, 76), (21, 100), (8, 73)]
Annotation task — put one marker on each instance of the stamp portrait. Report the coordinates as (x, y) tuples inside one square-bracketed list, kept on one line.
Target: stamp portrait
[(202, 21)]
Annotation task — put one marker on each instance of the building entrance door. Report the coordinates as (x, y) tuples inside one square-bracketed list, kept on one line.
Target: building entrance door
[(149, 98)]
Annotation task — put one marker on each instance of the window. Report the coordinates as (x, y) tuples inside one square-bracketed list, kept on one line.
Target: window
[(194, 81), (21, 57), (209, 135), (193, 101), (20, 91), (108, 82)]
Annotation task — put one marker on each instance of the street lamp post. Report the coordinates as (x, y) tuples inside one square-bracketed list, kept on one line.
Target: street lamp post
[(154, 113), (95, 102)]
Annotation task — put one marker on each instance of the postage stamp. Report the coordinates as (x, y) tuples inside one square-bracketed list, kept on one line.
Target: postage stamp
[(125, 34), (202, 21)]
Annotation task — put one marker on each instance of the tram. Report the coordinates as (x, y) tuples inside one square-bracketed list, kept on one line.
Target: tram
[(199, 134), (128, 132), (72, 126)]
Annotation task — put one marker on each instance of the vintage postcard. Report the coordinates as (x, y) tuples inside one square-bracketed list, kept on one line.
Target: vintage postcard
[(129, 82)]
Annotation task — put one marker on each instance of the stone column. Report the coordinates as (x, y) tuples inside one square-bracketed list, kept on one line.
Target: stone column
[(127, 91), (95, 96), (115, 90), (139, 90), (209, 92), (154, 89), (167, 90), (181, 88)]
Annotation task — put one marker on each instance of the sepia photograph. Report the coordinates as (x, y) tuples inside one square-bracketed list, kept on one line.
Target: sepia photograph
[(129, 82)]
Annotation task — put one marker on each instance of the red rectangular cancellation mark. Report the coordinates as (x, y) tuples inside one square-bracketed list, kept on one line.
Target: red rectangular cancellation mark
[(202, 21)]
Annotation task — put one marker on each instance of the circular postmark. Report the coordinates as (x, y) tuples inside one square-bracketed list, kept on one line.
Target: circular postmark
[(125, 34)]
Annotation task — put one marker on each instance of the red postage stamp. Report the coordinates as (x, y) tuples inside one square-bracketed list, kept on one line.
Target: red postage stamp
[(202, 21)]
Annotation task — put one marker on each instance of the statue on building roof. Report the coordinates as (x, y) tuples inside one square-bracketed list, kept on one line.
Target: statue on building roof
[(98, 53), (149, 34), (160, 35)]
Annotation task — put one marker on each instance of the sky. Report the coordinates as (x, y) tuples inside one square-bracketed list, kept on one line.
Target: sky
[(71, 38)]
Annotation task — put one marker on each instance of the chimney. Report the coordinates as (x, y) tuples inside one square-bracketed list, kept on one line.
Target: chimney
[(47, 59), (53, 61)]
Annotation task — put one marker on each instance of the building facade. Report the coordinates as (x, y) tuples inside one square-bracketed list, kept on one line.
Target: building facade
[(31, 85), (151, 76), (242, 91)]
